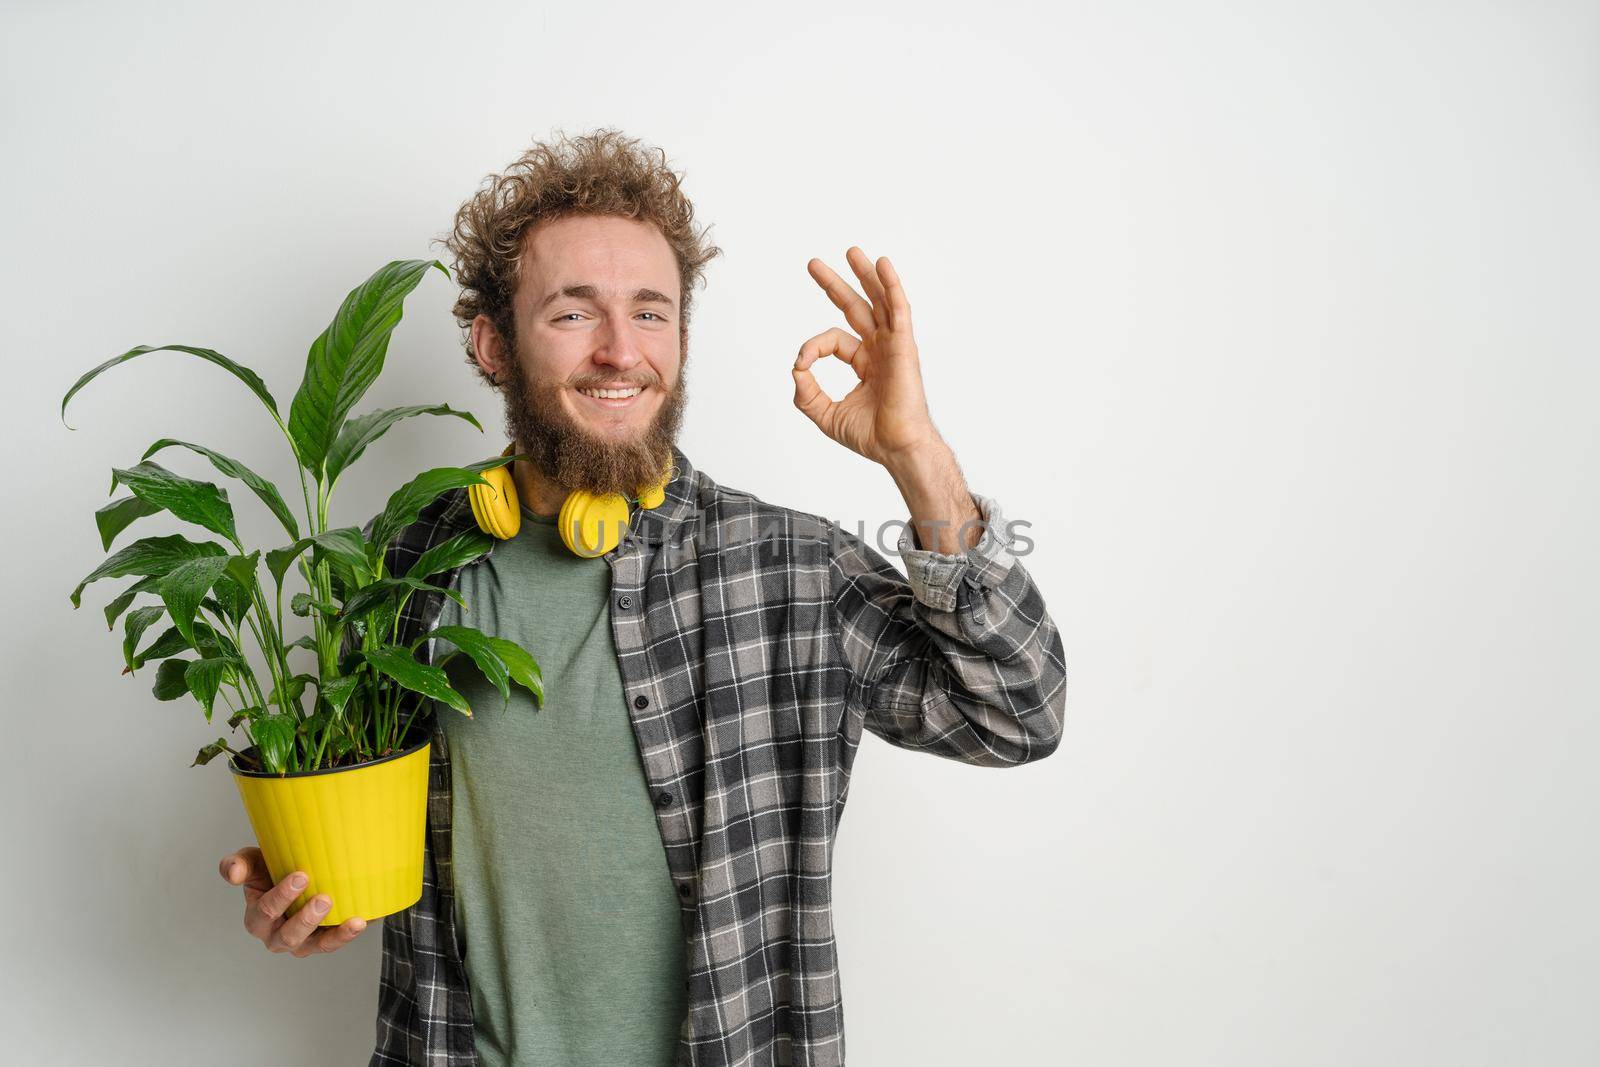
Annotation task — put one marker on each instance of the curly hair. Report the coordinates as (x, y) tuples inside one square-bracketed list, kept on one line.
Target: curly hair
[(599, 173)]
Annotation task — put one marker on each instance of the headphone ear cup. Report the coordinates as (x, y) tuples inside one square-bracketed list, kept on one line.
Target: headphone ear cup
[(593, 525), (564, 523), (495, 505), (655, 495)]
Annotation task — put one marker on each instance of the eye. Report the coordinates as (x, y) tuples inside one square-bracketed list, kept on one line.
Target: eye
[(658, 317), (566, 316)]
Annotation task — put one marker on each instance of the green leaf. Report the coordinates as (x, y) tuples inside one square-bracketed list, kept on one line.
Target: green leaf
[(524, 671), (244, 374), (347, 358), (346, 545), (274, 740), (409, 500), (476, 645), (338, 691), (382, 620), (170, 683), (497, 658), (204, 677), (234, 469), (350, 662), (242, 569), (422, 678), (201, 503), (233, 599), (342, 582), (151, 556), (389, 590), (170, 643), (213, 643), (183, 589), (378, 620), (296, 686), (117, 606), (137, 622), (305, 641), (209, 752), (207, 641), (463, 548), (115, 517), (242, 714), (360, 432), (375, 558), (279, 560), (302, 603)]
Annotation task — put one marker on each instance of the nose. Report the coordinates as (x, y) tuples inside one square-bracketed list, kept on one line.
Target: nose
[(615, 346)]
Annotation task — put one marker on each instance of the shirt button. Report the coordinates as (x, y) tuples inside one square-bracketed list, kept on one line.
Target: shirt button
[(641, 701), (624, 601), (663, 799), (684, 890)]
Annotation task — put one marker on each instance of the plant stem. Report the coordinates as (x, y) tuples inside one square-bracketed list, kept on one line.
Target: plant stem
[(322, 745), (272, 667), (247, 674), (410, 719)]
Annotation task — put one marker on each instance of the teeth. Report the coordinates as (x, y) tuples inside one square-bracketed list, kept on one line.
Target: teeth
[(615, 394)]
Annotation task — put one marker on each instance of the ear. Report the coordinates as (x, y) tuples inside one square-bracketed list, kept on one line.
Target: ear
[(488, 348)]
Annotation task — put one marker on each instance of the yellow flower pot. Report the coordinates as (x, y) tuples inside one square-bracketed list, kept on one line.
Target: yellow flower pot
[(357, 832)]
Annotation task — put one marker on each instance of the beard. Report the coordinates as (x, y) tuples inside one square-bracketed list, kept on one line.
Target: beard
[(569, 455)]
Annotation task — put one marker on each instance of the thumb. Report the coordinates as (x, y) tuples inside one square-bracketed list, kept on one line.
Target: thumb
[(245, 867)]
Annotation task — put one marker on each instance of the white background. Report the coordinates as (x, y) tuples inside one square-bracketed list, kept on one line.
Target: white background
[(1275, 320)]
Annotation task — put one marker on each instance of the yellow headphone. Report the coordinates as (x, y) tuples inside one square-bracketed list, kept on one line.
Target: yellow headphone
[(590, 524)]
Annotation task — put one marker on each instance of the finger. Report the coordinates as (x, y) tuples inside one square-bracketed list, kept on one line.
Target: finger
[(857, 312), (301, 925), (262, 916), (895, 293), (810, 398), (245, 867), (869, 282), (833, 342), (333, 939)]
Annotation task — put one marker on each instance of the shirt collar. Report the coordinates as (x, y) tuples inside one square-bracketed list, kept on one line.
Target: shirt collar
[(657, 524)]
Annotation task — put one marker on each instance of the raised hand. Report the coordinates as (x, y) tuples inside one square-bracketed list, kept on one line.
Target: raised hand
[(885, 417)]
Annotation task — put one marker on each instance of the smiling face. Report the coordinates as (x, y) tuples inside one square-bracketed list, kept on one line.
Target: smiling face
[(593, 378)]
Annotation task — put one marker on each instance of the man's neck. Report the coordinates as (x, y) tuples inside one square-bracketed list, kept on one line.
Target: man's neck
[(535, 491)]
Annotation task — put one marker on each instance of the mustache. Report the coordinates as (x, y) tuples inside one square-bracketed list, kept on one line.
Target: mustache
[(616, 383)]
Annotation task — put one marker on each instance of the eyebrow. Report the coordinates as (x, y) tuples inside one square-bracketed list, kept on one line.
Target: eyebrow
[(589, 292)]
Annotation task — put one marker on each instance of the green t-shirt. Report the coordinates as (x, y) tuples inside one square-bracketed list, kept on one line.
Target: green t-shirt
[(568, 915)]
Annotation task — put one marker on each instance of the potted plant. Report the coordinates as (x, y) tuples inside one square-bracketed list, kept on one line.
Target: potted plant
[(334, 770)]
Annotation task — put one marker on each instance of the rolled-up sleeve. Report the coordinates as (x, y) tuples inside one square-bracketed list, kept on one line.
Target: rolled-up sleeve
[(958, 657)]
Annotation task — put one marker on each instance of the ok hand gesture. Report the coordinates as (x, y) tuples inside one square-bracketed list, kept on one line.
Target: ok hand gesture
[(885, 417)]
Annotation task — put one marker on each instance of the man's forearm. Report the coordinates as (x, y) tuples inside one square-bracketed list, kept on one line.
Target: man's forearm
[(944, 517)]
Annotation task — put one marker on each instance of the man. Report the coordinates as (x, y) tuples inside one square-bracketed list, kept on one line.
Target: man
[(637, 870)]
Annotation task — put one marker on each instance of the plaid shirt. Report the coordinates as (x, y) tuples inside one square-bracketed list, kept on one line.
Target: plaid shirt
[(755, 644)]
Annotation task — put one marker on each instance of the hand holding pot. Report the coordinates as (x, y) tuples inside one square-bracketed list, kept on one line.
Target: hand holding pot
[(265, 904)]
